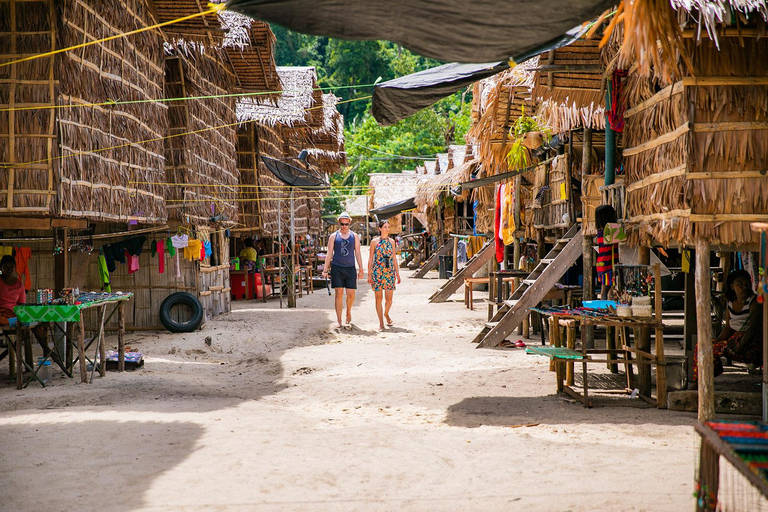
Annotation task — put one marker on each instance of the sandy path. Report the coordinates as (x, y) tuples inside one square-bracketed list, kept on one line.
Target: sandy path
[(283, 413)]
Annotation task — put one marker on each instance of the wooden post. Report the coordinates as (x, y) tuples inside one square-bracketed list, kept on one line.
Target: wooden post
[(19, 364), (610, 344), (689, 324), (81, 350), (121, 336), (706, 369), (102, 343), (587, 251), (643, 337), (661, 369), (570, 326), (70, 341), (455, 267)]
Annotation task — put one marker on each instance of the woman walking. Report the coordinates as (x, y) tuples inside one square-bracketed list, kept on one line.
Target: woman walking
[(383, 270)]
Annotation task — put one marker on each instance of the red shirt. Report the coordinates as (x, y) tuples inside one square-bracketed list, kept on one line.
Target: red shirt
[(13, 295)]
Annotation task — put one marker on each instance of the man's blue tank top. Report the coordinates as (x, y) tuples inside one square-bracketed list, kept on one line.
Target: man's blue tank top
[(344, 251)]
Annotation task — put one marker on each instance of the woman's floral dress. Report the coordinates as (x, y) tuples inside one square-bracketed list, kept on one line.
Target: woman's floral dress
[(383, 275)]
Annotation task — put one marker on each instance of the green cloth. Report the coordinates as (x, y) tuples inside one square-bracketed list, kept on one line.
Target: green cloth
[(169, 247), (153, 246), (104, 274), (555, 352), (249, 253), (59, 312)]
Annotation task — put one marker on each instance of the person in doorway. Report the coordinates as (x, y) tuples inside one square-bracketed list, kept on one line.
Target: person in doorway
[(343, 251), (249, 256), (736, 341), (607, 254), (383, 271)]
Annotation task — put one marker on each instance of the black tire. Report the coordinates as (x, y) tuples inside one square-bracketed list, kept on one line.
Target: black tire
[(181, 298)]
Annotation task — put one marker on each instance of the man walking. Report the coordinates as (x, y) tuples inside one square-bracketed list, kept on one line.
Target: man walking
[(343, 250)]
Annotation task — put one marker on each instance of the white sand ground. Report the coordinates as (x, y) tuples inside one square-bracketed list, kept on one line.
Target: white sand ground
[(283, 413)]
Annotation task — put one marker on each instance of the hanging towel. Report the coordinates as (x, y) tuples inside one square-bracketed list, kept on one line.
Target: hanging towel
[(104, 274), (208, 248), (153, 248), (192, 250), (6, 250), (508, 214), (161, 256), (23, 255)]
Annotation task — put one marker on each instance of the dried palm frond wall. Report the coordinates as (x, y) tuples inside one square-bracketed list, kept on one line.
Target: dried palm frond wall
[(89, 153), (579, 84), (201, 163), (697, 150), (249, 214)]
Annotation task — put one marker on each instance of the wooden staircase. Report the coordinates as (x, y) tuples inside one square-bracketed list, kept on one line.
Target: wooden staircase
[(433, 260), (533, 289), (474, 264)]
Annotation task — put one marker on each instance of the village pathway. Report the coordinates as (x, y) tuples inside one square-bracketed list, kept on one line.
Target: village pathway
[(281, 412)]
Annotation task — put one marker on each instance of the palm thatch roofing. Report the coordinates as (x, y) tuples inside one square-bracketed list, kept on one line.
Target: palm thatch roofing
[(695, 134), (81, 162), (356, 206), (293, 107)]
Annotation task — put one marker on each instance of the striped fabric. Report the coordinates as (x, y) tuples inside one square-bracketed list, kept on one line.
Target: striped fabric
[(606, 256)]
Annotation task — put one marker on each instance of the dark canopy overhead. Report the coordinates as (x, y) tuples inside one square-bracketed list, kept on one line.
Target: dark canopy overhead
[(393, 209), (449, 30), (399, 98), (291, 175)]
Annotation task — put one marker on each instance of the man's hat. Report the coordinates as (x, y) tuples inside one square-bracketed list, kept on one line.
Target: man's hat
[(344, 215)]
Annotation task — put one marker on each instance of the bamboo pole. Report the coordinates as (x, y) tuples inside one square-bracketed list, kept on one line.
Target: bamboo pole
[(81, 351), (661, 369), (588, 333), (643, 336), (121, 336), (704, 332)]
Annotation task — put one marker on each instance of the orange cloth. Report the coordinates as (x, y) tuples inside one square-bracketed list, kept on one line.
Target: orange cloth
[(192, 251), (23, 255)]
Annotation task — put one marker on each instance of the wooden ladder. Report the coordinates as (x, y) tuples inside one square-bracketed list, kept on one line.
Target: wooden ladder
[(533, 289), (433, 260), (474, 264)]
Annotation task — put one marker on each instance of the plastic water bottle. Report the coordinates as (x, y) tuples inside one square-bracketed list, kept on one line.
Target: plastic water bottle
[(45, 371)]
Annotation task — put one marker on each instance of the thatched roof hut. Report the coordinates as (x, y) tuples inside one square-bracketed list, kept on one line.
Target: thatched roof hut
[(696, 150), (201, 163), (81, 161), (389, 188)]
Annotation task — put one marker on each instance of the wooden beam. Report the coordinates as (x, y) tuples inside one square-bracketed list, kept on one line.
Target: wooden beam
[(661, 216), (728, 217), (725, 175), (663, 139), (24, 223), (693, 81), (657, 177), (730, 126), (662, 95)]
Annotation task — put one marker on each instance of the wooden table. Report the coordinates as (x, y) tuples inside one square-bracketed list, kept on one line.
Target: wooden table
[(619, 355), (75, 332)]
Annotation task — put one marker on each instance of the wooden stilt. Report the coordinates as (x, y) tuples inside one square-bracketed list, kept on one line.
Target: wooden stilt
[(19, 364), (661, 370), (706, 370), (102, 344), (121, 335), (81, 351)]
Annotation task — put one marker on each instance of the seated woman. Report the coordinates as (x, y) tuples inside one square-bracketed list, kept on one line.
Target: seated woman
[(738, 340), (249, 256), (12, 294), (12, 291)]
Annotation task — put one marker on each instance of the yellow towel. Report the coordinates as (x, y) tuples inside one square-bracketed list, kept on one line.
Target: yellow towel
[(6, 251), (508, 214)]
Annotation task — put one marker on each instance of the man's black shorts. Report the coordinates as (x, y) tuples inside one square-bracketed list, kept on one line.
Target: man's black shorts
[(344, 277)]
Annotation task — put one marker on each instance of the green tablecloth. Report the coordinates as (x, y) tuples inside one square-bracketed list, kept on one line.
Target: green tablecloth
[(60, 313)]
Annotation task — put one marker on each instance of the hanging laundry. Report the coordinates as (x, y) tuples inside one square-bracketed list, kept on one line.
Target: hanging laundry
[(508, 214), (23, 255), (153, 248), (179, 242), (192, 250), (208, 248), (461, 253), (615, 111), (161, 256), (104, 274), (6, 250), (116, 253), (497, 225), (170, 248), (133, 263)]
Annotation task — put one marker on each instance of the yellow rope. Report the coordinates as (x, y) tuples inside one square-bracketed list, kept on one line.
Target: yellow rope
[(155, 139), (213, 8)]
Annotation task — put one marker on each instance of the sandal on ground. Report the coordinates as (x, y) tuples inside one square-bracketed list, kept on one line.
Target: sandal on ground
[(520, 344)]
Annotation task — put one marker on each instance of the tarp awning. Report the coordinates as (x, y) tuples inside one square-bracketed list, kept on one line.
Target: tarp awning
[(291, 175), (449, 30), (393, 209), (399, 98)]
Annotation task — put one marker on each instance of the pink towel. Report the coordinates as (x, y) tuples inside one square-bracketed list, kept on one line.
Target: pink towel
[(133, 263)]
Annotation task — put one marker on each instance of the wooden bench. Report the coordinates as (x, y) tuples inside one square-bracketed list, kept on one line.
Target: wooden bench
[(469, 283)]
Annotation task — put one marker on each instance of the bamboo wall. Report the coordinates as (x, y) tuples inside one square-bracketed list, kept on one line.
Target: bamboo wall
[(248, 167), (202, 164), (695, 150)]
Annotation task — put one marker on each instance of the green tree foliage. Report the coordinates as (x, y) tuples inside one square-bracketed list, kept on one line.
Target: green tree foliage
[(349, 69)]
